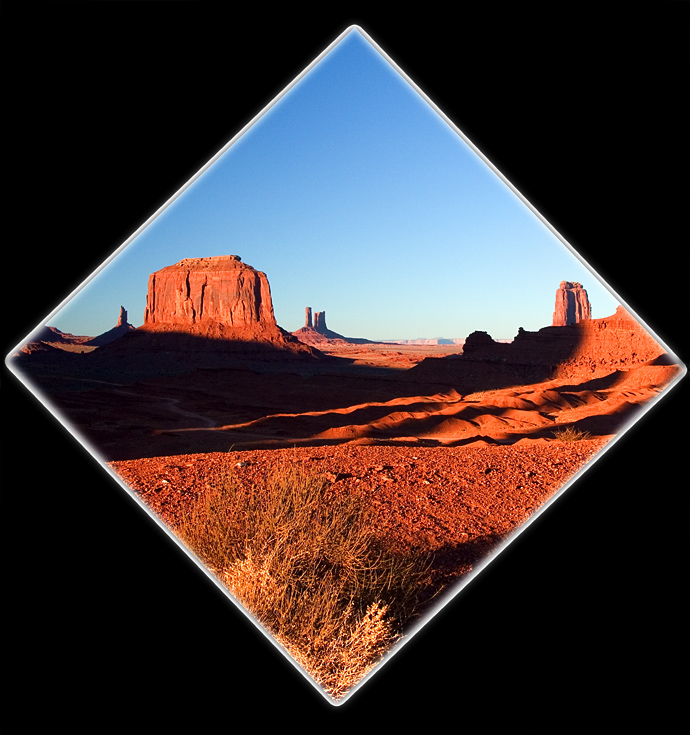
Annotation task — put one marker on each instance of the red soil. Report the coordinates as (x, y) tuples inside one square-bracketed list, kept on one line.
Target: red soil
[(461, 503), (449, 473)]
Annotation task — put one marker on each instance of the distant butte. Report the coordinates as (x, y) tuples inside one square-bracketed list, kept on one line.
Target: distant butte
[(122, 327), (588, 348), (572, 304), (218, 298), (205, 312), (315, 332)]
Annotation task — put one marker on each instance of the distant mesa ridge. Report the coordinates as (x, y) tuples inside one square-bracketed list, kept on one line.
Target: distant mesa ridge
[(221, 306), (589, 347)]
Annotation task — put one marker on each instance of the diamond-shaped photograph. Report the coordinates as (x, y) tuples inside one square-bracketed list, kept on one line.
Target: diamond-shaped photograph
[(319, 370)]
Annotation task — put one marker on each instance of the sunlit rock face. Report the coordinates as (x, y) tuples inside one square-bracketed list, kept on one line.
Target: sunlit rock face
[(219, 295), (572, 304)]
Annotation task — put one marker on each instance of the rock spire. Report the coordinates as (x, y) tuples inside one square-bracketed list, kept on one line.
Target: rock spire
[(572, 304), (320, 322)]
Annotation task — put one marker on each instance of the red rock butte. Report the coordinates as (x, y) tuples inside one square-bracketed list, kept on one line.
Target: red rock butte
[(586, 349), (219, 297), (572, 304), (315, 332)]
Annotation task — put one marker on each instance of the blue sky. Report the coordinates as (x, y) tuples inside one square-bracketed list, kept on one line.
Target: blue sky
[(357, 198)]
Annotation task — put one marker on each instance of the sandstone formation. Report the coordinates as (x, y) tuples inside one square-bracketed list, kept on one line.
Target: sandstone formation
[(122, 327), (320, 322), (201, 313), (317, 333), (572, 304), (49, 339), (588, 348), (220, 304), (218, 296)]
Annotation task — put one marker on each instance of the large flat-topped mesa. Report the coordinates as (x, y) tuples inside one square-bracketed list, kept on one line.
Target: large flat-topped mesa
[(200, 292)]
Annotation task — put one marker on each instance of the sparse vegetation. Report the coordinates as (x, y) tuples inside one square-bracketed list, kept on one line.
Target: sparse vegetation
[(306, 563), (571, 434), (476, 396)]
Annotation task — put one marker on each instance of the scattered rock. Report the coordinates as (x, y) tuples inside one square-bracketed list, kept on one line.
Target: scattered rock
[(337, 476)]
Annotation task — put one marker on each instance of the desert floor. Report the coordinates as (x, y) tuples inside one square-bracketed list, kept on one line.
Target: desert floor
[(369, 398), (459, 503), (444, 472)]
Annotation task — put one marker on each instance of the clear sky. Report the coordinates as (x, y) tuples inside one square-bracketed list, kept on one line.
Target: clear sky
[(355, 197)]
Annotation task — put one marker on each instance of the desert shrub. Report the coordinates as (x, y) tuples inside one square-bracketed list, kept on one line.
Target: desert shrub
[(571, 434), (305, 561)]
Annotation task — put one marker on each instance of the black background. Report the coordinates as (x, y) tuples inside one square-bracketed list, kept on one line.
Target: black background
[(109, 109)]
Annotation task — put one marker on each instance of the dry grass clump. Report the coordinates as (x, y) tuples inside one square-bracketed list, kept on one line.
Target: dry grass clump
[(476, 396), (306, 563), (571, 434)]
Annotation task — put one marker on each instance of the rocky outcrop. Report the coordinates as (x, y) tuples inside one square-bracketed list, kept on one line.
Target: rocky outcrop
[(122, 327), (589, 348), (52, 335), (317, 333), (219, 295), (320, 323), (478, 341), (208, 311), (48, 340), (572, 304)]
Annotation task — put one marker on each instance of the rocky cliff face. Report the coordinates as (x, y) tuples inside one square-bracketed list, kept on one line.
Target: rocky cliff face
[(572, 304), (320, 323), (219, 297), (589, 348), (221, 289), (205, 312)]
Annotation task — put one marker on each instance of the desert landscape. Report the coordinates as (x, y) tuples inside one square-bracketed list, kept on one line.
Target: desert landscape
[(582, 617), (448, 448)]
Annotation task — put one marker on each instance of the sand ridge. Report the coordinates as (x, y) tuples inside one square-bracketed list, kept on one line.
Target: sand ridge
[(212, 410)]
